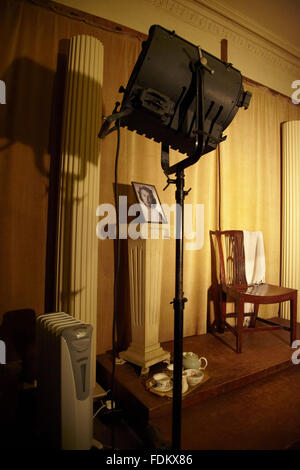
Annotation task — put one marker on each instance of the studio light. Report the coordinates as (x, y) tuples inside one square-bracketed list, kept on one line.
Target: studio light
[(182, 96)]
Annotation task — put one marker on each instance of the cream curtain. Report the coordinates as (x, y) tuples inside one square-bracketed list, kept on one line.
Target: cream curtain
[(251, 174)]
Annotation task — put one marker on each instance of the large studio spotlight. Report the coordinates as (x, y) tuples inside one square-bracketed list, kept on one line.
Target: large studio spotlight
[(182, 96)]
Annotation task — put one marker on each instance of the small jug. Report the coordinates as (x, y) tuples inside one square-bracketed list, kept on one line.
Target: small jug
[(185, 384)]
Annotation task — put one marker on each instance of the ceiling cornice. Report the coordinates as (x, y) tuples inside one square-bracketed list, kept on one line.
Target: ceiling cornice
[(210, 16), (252, 26)]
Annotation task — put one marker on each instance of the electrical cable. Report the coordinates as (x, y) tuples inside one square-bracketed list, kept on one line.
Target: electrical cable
[(116, 275), (99, 409)]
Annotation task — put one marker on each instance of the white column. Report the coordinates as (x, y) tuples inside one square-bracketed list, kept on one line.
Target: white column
[(290, 267), (77, 261)]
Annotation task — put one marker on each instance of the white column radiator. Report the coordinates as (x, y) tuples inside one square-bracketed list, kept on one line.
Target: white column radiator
[(64, 382)]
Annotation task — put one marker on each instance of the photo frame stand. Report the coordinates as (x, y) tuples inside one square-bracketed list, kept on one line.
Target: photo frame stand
[(145, 275)]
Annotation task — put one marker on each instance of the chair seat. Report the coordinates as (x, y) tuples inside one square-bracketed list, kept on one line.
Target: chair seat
[(260, 293)]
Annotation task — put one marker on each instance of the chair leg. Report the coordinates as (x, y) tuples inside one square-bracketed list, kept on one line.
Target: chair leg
[(293, 318), (223, 314), (239, 305), (255, 313), (209, 324), (218, 307)]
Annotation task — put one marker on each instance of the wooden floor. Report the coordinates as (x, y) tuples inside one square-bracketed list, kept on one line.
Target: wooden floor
[(251, 400), (264, 353), (264, 415)]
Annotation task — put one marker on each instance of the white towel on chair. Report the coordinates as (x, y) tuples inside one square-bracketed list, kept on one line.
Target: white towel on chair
[(255, 265)]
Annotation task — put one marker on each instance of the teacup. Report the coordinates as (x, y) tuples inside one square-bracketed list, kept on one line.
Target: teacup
[(162, 381), (191, 360)]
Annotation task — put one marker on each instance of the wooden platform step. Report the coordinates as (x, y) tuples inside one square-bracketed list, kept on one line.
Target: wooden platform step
[(264, 353)]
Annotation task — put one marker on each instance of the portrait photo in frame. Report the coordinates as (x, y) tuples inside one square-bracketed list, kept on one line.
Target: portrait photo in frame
[(148, 199)]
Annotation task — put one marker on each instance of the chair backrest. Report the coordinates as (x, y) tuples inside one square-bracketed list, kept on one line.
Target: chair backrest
[(228, 257)]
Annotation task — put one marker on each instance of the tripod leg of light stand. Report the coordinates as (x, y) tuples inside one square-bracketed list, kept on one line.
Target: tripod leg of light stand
[(178, 313)]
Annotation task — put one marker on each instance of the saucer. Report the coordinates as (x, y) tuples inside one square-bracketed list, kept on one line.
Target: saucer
[(162, 389)]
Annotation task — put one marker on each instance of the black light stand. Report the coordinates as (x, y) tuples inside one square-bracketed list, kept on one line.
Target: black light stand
[(178, 304), (180, 300)]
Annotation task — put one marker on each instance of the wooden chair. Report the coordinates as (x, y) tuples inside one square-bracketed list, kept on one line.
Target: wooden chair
[(229, 284)]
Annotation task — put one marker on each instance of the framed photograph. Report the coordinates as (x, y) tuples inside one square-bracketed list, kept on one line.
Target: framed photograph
[(147, 197)]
